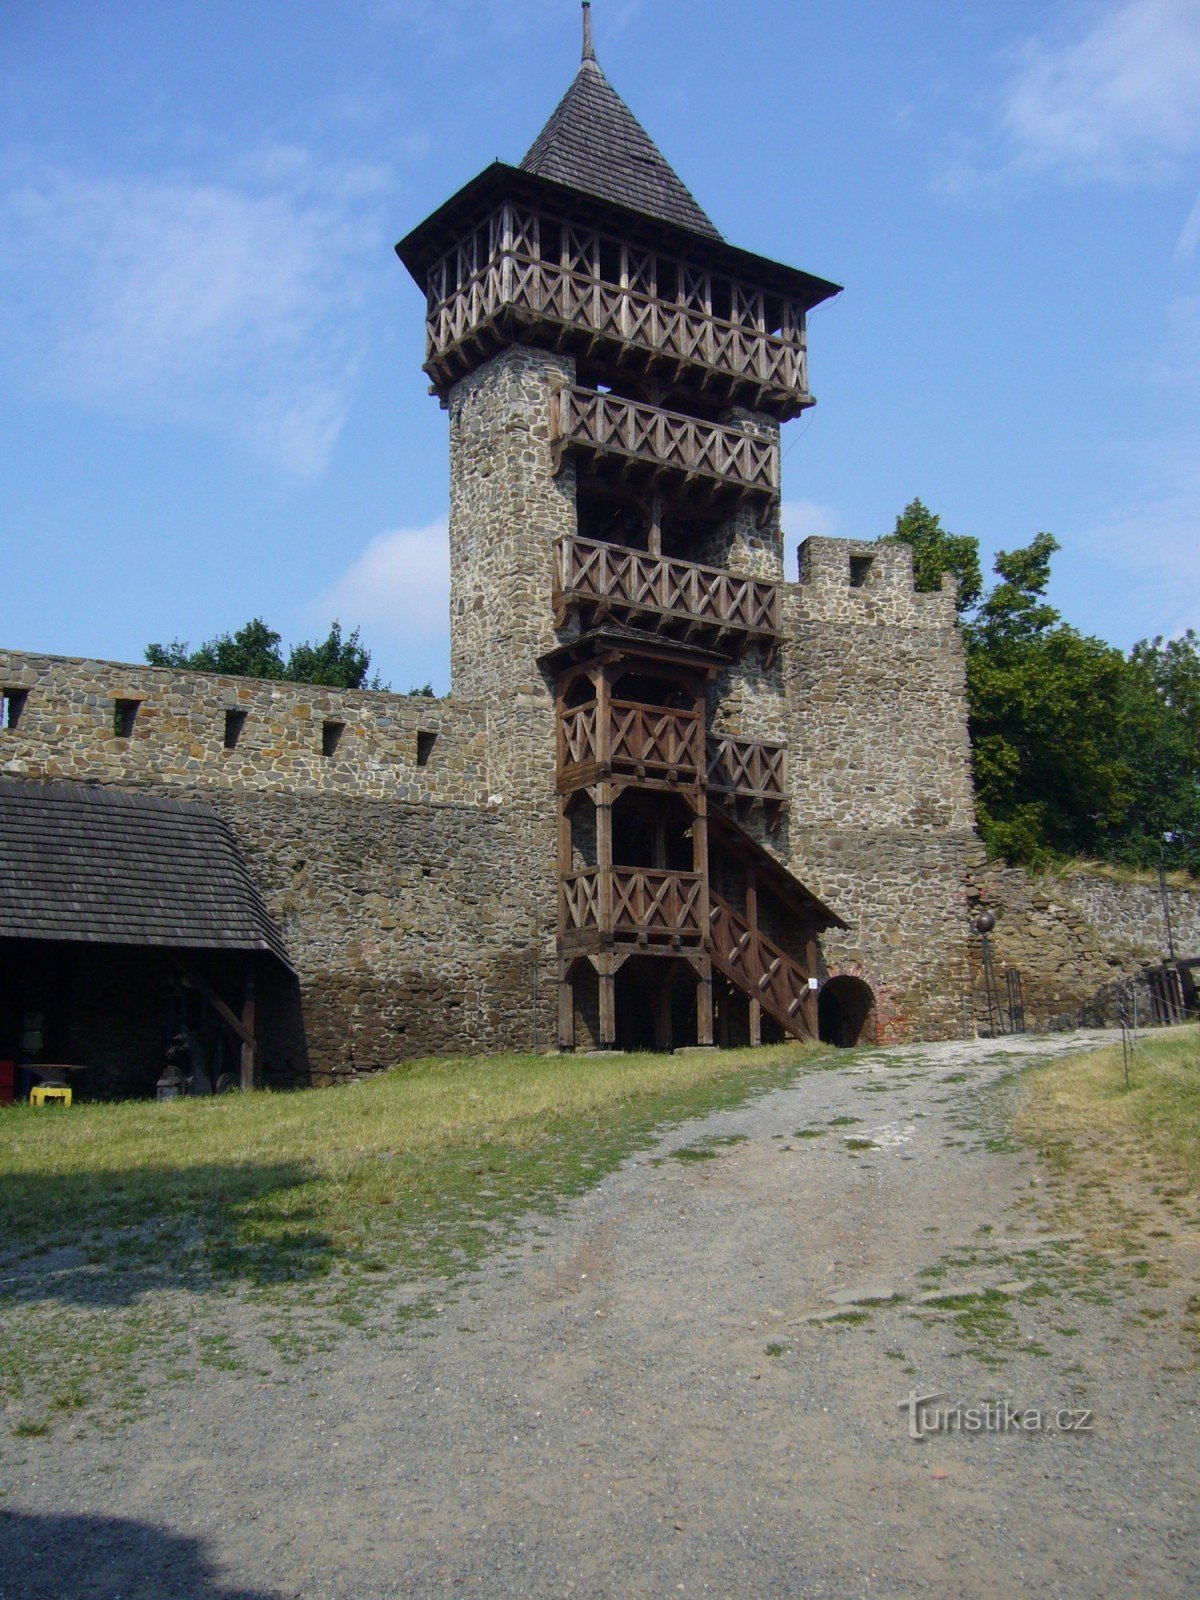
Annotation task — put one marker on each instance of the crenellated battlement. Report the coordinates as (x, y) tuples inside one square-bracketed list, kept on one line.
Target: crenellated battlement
[(861, 581), (113, 722)]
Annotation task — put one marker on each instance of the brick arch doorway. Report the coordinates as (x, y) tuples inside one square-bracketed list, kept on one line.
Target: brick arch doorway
[(846, 1013)]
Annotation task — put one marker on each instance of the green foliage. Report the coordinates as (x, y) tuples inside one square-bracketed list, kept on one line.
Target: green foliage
[(936, 552), (1079, 750), (255, 651), (1053, 768), (339, 663)]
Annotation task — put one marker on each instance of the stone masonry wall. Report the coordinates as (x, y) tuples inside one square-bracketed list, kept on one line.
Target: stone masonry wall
[(410, 870), (1075, 939), (66, 731), (507, 508)]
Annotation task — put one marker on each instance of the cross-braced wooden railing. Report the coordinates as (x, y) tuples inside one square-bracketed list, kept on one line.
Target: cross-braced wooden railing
[(580, 899), (647, 740), (631, 585), (524, 267), (655, 739), (759, 968), (747, 769), (656, 905), (578, 742), (606, 424)]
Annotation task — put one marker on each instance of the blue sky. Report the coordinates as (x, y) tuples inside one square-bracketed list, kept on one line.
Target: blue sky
[(211, 403)]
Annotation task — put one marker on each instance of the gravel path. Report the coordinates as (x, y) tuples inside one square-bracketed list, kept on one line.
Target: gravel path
[(688, 1384)]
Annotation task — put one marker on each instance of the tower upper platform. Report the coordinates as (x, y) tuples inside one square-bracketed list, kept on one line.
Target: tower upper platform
[(594, 244)]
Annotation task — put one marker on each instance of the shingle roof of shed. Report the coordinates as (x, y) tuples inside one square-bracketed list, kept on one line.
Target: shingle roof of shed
[(98, 866), (595, 143)]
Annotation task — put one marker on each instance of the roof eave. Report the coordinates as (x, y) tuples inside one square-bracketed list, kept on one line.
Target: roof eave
[(419, 249)]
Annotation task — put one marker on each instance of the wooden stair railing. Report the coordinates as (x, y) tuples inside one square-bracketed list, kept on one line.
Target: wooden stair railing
[(758, 968)]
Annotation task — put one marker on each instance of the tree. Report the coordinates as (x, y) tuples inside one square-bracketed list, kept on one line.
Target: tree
[(340, 663), (255, 651), (1053, 767), (1162, 719), (935, 551)]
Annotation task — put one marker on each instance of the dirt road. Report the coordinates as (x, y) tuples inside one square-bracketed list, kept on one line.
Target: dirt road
[(692, 1382)]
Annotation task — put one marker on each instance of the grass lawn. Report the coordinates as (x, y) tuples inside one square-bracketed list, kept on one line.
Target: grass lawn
[(1125, 1161), (1154, 1123), (125, 1228)]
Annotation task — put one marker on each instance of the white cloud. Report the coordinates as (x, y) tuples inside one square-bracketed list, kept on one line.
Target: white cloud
[(399, 587), (1120, 101), (228, 304)]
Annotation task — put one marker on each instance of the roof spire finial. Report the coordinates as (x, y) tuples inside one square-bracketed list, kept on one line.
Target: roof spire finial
[(589, 47)]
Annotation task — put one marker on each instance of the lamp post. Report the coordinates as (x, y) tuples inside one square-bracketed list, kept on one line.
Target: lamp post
[(1167, 838), (984, 923)]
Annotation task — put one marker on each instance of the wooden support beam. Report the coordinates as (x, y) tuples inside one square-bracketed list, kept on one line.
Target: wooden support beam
[(249, 1061), (704, 1003), (608, 1000), (207, 992), (566, 1007)]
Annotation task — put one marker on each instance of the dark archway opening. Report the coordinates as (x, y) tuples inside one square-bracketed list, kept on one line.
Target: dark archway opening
[(846, 1013)]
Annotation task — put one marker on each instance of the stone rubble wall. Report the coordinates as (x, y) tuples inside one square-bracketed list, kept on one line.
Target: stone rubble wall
[(507, 508), (1076, 939), (66, 732)]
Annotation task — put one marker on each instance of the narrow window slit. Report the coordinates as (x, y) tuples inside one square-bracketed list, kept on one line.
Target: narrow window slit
[(331, 735), (235, 721), (425, 744), (860, 570), (124, 716), (12, 704)]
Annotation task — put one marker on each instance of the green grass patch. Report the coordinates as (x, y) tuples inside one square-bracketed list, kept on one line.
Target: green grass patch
[(332, 1207), (1155, 1121)]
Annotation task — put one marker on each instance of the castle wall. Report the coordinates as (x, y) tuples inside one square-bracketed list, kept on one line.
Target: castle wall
[(410, 880), (1076, 939), (868, 693), (507, 507), (66, 731)]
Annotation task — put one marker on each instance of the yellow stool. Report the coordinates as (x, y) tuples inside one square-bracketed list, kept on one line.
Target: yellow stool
[(49, 1094)]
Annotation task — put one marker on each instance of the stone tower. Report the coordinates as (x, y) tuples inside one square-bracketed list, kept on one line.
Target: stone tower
[(616, 375)]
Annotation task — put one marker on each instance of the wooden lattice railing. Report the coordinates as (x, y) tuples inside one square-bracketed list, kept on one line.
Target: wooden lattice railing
[(609, 425), (758, 967), (652, 904), (523, 266), (631, 585), (747, 769), (644, 739)]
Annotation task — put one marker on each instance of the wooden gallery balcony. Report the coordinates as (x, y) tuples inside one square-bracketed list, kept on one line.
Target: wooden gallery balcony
[(524, 274), (648, 743), (678, 598), (632, 906), (664, 443), (746, 770)]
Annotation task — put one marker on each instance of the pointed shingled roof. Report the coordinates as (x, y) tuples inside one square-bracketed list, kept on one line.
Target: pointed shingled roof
[(593, 142)]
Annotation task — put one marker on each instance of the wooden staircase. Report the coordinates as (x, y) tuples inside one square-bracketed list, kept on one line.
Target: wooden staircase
[(775, 982), (760, 969)]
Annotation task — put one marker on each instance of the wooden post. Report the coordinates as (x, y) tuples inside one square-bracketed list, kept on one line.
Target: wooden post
[(566, 1007), (811, 1006), (608, 999), (249, 1062), (662, 1009), (752, 919), (704, 1002)]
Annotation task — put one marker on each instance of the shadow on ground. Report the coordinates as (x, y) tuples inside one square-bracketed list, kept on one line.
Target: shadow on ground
[(100, 1558), (103, 1236)]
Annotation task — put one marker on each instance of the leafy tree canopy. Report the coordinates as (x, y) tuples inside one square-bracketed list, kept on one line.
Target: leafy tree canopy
[(1079, 749), (256, 651), (935, 551)]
